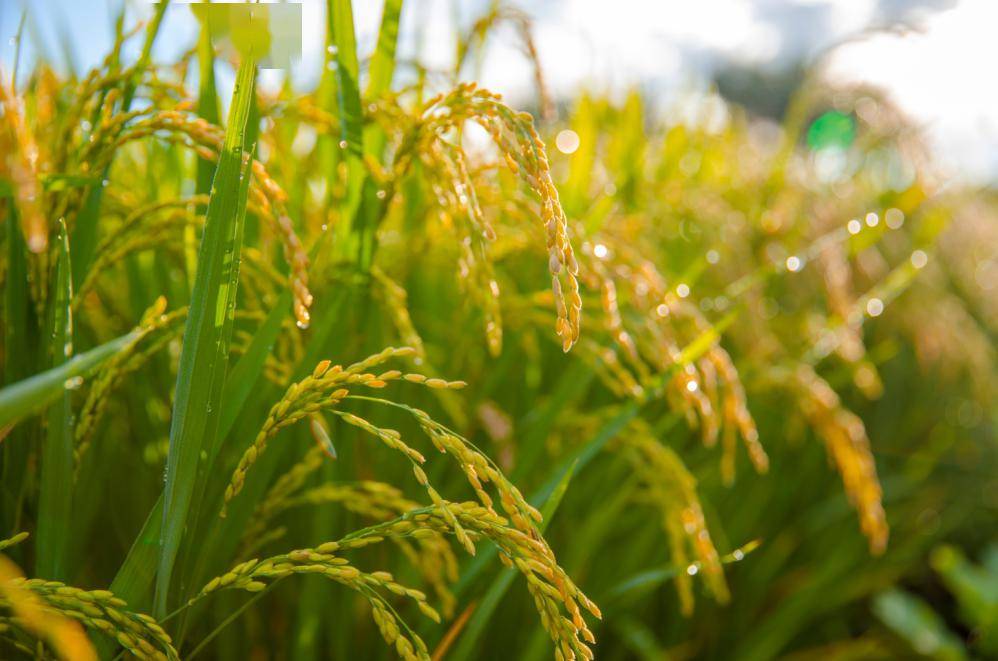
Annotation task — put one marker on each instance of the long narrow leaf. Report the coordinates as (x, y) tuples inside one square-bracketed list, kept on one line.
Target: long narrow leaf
[(352, 232), (383, 61), (55, 500), (347, 74), (26, 397), (20, 326), (134, 578), (205, 350)]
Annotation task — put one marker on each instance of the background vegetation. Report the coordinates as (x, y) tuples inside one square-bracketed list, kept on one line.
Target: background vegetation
[(746, 373)]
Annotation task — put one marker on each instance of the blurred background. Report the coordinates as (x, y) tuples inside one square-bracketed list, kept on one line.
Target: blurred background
[(932, 57)]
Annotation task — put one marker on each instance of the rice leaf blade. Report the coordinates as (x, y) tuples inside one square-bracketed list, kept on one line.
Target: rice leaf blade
[(383, 61), (55, 499), (352, 234), (347, 75), (246, 372), (20, 327), (28, 396), (205, 349), (134, 577)]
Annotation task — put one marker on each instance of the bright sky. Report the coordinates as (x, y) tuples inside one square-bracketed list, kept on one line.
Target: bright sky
[(938, 71)]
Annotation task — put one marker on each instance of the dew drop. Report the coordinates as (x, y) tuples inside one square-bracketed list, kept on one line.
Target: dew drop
[(874, 307), (894, 218), (36, 244), (567, 141)]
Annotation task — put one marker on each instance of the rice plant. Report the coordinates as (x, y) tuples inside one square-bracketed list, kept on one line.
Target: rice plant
[(369, 370)]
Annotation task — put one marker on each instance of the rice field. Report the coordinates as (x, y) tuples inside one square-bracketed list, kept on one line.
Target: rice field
[(391, 368)]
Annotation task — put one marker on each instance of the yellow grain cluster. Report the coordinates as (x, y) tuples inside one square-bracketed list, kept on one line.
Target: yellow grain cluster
[(324, 389), (558, 600), (21, 166), (848, 446), (156, 329), (266, 198), (648, 324), (430, 555), (254, 575), (141, 228), (446, 166), (53, 612), (31, 614), (395, 300), (668, 485)]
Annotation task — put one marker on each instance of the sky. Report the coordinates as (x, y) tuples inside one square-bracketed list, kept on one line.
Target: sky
[(932, 57)]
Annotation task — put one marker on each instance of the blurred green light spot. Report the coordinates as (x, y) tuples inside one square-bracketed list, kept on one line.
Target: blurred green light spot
[(832, 129)]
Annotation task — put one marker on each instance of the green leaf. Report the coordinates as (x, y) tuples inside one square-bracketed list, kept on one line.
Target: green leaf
[(247, 371), (639, 639), (585, 123), (347, 75), (383, 61), (134, 577), (20, 339), (207, 102), (32, 394), (652, 578), (352, 235), (204, 355), (55, 500), (381, 71), (976, 592), (915, 621)]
